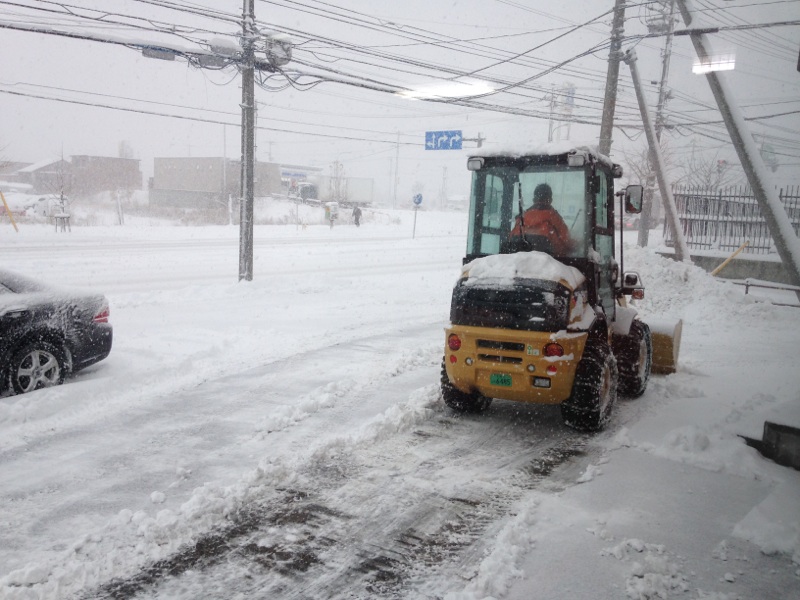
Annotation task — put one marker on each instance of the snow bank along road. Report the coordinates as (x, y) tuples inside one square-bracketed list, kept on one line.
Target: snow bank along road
[(284, 438)]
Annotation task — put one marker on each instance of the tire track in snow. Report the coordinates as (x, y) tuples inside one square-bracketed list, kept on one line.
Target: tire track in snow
[(387, 516), (232, 416)]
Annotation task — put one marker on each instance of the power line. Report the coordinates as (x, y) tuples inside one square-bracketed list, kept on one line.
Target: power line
[(203, 120)]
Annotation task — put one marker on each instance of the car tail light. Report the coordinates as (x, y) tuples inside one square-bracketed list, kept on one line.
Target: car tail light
[(454, 342), (102, 315), (553, 349), (637, 294)]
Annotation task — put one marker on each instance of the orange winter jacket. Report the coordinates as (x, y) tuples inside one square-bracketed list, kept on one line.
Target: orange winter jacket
[(548, 223)]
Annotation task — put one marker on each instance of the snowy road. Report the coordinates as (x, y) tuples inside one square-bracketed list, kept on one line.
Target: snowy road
[(284, 437), (426, 487)]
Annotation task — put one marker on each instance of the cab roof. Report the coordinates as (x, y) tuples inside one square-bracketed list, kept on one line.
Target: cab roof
[(543, 149)]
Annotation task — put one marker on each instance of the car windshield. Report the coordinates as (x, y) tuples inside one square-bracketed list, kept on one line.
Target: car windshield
[(20, 284)]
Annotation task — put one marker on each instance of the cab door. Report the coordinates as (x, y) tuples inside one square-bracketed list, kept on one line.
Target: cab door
[(604, 241)]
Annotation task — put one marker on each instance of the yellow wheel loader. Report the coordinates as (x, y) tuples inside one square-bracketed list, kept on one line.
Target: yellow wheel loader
[(532, 325)]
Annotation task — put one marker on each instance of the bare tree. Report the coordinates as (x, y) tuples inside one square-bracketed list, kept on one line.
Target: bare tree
[(638, 161), (709, 170)]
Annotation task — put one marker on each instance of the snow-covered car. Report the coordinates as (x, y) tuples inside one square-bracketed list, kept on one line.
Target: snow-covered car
[(48, 333)]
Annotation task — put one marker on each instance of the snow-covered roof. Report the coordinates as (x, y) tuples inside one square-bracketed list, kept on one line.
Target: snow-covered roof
[(546, 149), (39, 165)]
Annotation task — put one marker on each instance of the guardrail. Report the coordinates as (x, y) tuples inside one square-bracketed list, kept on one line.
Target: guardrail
[(754, 283)]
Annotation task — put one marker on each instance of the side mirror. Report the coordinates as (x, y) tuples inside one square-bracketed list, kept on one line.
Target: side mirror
[(633, 199), (632, 285)]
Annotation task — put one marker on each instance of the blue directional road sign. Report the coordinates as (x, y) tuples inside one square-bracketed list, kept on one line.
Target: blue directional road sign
[(443, 140), (417, 199)]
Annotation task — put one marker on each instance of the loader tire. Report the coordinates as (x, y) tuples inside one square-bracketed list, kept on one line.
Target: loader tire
[(634, 353), (474, 403), (594, 391)]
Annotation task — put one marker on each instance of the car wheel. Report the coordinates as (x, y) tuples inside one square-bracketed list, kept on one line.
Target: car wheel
[(594, 391), (459, 401), (36, 365), (634, 354)]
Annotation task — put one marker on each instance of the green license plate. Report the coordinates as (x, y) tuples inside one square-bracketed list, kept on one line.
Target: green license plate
[(500, 379)]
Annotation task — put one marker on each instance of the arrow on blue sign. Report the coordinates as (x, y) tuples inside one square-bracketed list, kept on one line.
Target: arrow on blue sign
[(443, 140)]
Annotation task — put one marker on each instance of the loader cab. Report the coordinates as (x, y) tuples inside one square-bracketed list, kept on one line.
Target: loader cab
[(582, 193)]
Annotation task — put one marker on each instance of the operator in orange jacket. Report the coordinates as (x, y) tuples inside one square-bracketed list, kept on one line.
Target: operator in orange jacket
[(542, 219)]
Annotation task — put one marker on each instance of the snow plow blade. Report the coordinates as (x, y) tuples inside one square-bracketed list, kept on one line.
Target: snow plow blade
[(666, 336)]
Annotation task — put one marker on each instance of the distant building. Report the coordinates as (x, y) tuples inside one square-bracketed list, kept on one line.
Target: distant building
[(45, 177), (205, 182), (81, 176), (8, 168), (93, 174)]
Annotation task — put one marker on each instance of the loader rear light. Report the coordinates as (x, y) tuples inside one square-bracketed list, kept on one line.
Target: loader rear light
[(637, 294), (454, 342), (553, 349), (552, 370), (453, 359)]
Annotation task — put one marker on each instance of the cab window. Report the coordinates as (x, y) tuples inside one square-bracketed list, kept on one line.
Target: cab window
[(568, 187)]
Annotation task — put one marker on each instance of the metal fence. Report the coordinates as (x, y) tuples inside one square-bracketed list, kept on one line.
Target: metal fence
[(726, 218)]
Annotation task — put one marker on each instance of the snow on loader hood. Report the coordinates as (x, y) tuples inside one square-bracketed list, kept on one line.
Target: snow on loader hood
[(506, 268)]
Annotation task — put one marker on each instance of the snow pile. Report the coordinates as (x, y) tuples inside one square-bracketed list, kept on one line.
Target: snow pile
[(500, 567), (652, 573)]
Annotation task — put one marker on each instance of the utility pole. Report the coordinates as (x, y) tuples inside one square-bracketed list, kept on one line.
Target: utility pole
[(681, 251), (612, 77), (650, 183), (278, 50), (786, 241), (552, 109), (248, 142), (396, 170), (443, 190)]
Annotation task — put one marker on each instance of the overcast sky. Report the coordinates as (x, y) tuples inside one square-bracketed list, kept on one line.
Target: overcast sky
[(397, 44)]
